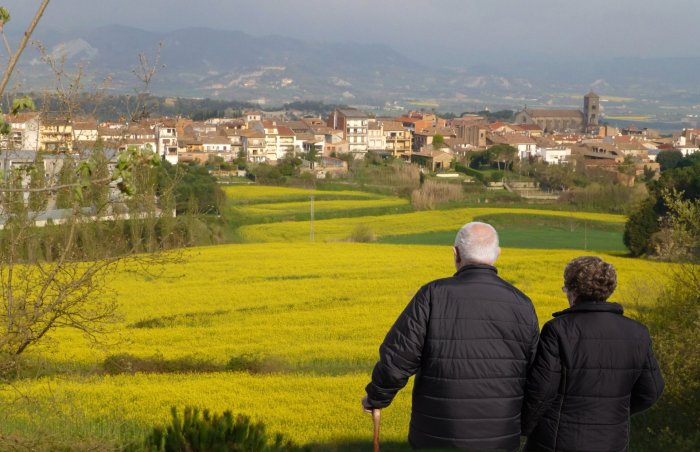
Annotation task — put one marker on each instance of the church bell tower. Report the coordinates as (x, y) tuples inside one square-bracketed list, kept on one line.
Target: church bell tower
[(591, 109)]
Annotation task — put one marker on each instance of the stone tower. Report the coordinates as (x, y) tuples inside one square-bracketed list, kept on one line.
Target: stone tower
[(591, 110)]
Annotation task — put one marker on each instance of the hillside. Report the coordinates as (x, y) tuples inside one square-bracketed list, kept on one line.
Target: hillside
[(202, 62)]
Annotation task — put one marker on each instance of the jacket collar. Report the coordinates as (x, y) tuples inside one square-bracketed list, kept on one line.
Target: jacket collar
[(592, 306), (471, 267)]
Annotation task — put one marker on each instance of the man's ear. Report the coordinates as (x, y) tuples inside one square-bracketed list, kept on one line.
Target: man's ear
[(458, 257)]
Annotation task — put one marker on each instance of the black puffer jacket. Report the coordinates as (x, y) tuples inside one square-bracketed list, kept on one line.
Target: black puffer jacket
[(469, 340), (593, 369)]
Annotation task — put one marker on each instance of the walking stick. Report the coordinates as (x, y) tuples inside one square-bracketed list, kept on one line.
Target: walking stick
[(376, 418)]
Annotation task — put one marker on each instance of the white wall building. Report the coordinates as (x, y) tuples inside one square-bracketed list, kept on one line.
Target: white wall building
[(556, 155), (166, 136)]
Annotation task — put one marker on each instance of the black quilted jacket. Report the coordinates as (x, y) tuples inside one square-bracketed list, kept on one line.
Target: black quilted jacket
[(469, 340), (593, 369)]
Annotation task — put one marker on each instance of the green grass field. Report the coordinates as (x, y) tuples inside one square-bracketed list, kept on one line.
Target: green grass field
[(286, 331), (533, 231)]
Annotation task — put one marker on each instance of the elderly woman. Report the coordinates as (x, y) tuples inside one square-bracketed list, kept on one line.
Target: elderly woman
[(593, 369)]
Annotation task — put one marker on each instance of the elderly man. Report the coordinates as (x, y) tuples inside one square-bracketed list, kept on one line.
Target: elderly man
[(469, 340)]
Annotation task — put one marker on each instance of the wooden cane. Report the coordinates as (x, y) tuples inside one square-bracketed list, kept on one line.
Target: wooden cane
[(376, 418)]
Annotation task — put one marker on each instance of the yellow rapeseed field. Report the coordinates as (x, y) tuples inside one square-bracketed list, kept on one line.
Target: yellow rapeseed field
[(250, 194), (286, 331), (316, 312), (303, 207), (397, 224)]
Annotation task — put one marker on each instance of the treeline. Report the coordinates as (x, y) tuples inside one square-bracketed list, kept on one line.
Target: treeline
[(490, 116), (129, 107), (113, 107)]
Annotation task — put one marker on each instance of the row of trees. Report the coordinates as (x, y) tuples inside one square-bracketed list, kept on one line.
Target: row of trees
[(649, 230)]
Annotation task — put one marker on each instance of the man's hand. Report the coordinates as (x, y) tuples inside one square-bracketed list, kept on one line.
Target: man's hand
[(365, 405)]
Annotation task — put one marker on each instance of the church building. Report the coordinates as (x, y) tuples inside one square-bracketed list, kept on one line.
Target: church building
[(561, 120)]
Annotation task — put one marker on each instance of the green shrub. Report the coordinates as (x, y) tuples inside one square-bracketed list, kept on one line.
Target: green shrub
[(195, 433), (126, 363), (674, 323), (496, 176), (470, 172), (256, 364), (642, 224)]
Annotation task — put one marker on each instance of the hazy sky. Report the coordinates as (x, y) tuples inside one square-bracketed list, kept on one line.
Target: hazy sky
[(436, 31)]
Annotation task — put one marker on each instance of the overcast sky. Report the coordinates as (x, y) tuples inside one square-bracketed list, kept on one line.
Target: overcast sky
[(437, 31)]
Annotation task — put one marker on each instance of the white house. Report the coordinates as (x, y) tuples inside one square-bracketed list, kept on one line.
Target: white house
[(555, 155), (166, 136), (376, 141), (24, 132), (85, 131), (526, 146)]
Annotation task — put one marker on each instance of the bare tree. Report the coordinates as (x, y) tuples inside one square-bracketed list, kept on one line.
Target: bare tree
[(68, 220)]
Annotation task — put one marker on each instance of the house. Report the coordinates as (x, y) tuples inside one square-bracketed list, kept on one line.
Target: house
[(331, 165), (166, 139), (353, 123), (55, 134), (599, 151), (556, 155), (376, 141), (251, 116), (336, 148), (414, 121), (434, 160), (286, 141), (397, 139), (500, 128), (85, 131), (24, 132), (254, 146), (470, 131), (235, 138), (526, 146), (308, 142), (424, 138), (217, 145), (23, 159), (530, 130)]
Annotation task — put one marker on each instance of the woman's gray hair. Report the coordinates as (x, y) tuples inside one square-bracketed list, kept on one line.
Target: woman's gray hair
[(478, 242)]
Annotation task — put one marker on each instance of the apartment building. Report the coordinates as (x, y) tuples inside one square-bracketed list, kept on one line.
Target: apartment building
[(354, 125)]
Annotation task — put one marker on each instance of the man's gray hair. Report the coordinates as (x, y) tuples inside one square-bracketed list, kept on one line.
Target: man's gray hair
[(477, 242)]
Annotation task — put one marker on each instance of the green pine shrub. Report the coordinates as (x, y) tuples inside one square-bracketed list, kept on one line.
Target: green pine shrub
[(200, 432)]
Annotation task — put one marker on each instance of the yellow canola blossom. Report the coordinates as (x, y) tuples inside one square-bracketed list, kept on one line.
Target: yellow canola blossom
[(300, 207), (250, 194), (317, 311), (397, 224)]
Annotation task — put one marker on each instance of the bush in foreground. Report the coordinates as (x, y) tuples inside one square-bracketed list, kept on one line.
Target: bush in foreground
[(674, 322), (213, 432)]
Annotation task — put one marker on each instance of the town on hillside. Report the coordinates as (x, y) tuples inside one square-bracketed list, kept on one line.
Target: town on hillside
[(554, 136)]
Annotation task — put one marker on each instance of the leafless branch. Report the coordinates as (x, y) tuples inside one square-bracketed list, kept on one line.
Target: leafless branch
[(22, 45)]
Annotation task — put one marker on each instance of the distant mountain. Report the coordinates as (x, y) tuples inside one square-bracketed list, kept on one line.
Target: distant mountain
[(201, 62)]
